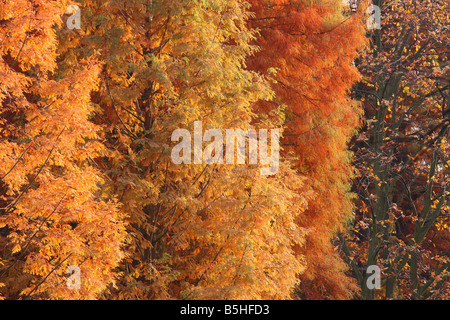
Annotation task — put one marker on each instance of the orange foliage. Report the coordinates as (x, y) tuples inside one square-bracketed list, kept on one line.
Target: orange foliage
[(54, 212), (307, 48)]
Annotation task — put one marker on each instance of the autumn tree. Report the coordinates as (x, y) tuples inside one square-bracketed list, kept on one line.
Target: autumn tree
[(307, 50), (211, 231), (53, 213), (402, 154)]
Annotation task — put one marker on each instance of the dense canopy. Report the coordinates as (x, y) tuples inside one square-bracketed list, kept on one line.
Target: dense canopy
[(309, 146)]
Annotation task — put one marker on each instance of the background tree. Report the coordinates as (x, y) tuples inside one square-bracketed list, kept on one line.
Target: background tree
[(402, 154)]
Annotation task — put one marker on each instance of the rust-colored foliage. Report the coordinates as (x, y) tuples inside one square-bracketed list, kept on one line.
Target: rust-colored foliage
[(307, 48)]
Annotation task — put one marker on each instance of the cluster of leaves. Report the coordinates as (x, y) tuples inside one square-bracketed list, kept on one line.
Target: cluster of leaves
[(307, 49), (85, 148), (53, 213), (402, 154)]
